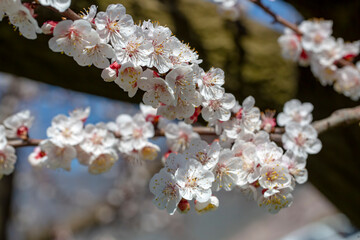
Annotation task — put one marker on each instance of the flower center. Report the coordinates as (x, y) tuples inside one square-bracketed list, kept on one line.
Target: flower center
[(96, 139), (215, 104), (300, 140)]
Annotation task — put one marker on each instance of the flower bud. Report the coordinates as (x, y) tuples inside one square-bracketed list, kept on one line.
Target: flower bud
[(149, 153), (110, 73), (37, 158), (22, 132), (102, 163), (48, 27), (183, 206)]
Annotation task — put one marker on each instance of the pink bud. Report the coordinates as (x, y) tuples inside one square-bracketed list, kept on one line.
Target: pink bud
[(22, 132), (48, 27), (115, 66)]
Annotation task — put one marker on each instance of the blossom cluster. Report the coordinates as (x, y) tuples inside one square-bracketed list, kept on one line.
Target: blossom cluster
[(243, 158), (317, 48), (148, 57), (300, 136), (13, 127), (96, 146)]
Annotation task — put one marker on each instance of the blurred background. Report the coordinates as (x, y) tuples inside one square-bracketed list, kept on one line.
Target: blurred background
[(43, 204)]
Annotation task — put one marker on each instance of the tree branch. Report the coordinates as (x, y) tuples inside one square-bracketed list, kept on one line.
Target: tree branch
[(341, 117), (277, 18), (346, 116), (69, 14)]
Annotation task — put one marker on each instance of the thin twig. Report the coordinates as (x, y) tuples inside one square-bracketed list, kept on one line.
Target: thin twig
[(277, 18), (68, 14), (341, 117)]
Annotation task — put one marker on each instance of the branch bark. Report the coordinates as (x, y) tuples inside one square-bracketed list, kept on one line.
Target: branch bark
[(277, 18), (341, 117)]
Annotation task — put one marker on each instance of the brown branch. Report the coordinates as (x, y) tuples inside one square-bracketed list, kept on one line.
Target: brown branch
[(277, 18), (158, 133), (208, 131), (68, 14), (24, 143), (341, 117)]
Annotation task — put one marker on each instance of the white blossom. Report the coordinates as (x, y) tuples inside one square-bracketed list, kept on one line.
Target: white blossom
[(210, 84), (160, 57), (295, 111), (315, 34), (249, 115), (181, 81), (175, 161), (249, 164), (178, 136), (182, 53), (66, 130), (274, 177), (129, 74), (226, 171), (60, 5), (290, 45), (7, 160), (80, 114), (95, 52), (58, 155), (89, 15), (114, 25), (97, 139), (157, 90), (348, 82), (207, 155), (135, 49), (163, 185), (279, 200), (219, 109), (18, 125), (296, 166), (268, 153), (134, 132), (21, 18), (325, 73), (182, 109), (302, 140), (71, 37), (194, 181)]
